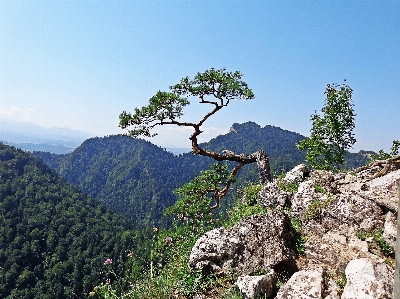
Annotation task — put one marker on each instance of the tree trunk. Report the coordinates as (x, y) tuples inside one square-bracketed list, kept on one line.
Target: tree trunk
[(264, 167)]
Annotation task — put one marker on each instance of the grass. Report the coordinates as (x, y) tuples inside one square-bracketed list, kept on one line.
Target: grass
[(379, 245), (289, 187), (315, 208), (244, 207)]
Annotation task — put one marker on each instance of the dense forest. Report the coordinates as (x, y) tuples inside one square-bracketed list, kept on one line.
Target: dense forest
[(54, 239), (137, 178), (132, 176)]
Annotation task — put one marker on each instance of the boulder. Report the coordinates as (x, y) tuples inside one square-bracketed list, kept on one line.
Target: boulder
[(253, 286), (297, 174), (305, 284), (368, 280), (330, 211), (305, 195), (257, 243), (271, 196), (390, 229)]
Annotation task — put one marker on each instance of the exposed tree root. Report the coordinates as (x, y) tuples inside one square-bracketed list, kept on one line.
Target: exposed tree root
[(387, 165)]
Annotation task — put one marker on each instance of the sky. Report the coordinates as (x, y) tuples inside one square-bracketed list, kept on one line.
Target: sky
[(79, 64)]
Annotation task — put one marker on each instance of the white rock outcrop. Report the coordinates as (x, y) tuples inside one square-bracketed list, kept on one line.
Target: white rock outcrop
[(252, 286), (305, 284), (366, 280)]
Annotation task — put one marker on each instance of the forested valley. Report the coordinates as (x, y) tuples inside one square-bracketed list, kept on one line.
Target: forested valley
[(137, 178), (59, 222), (53, 237)]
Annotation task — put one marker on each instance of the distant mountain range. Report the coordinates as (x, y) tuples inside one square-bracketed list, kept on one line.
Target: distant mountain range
[(32, 137), (137, 178)]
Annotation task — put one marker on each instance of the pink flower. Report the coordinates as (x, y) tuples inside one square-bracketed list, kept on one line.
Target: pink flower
[(108, 262), (167, 240)]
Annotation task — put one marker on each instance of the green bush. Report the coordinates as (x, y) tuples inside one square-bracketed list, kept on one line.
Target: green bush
[(331, 133)]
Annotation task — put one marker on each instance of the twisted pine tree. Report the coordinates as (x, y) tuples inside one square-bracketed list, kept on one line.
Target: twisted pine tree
[(216, 88)]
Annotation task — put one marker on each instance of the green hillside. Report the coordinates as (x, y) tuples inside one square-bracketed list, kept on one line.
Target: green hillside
[(132, 176), (137, 178), (53, 238)]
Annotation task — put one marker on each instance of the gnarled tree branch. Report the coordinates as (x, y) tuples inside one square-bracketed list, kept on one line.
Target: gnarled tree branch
[(166, 107)]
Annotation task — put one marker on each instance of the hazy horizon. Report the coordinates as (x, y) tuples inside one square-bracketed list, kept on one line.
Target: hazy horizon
[(79, 64)]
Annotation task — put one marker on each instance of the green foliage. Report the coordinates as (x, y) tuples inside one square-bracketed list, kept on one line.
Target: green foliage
[(53, 238), (217, 83), (250, 194), (382, 155), (394, 150), (341, 280), (331, 133), (233, 293), (195, 197), (316, 207), (288, 187), (300, 239), (167, 107), (159, 287), (379, 244), (163, 106), (319, 189), (299, 244), (244, 206)]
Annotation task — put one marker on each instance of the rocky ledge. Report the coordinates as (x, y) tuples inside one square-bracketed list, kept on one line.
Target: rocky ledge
[(326, 236)]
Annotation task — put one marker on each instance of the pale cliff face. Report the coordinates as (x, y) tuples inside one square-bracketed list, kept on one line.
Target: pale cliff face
[(345, 222)]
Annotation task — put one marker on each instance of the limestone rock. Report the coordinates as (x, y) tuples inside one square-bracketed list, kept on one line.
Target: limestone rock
[(330, 219), (304, 284), (297, 174), (384, 190), (351, 210), (368, 280), (257, 243), (333, 290), (390, 229), (253, 286), (271, 196), (334, 251), (305, 195)]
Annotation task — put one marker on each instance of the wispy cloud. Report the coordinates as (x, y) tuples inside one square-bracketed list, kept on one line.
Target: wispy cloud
[(17, 113)]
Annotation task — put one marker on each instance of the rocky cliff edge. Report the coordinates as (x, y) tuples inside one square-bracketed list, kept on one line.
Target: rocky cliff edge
[(326, 236)]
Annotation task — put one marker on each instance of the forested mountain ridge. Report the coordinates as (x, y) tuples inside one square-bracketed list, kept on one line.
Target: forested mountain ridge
[(137, 178), (53, 238), (133, 176)]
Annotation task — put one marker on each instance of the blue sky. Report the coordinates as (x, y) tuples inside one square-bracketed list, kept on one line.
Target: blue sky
[(79, 64)]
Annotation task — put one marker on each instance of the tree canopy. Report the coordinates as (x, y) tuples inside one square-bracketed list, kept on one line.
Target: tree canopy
[(213, 87), (331, 133)]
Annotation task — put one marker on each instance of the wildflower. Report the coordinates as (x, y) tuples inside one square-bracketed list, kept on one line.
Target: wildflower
[(155, 229), (108, 262), (130, 254), (92, 293), (167, 240)]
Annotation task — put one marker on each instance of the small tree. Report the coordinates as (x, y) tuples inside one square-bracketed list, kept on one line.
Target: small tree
[(216, 88), (382, 155), (331, 133)]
